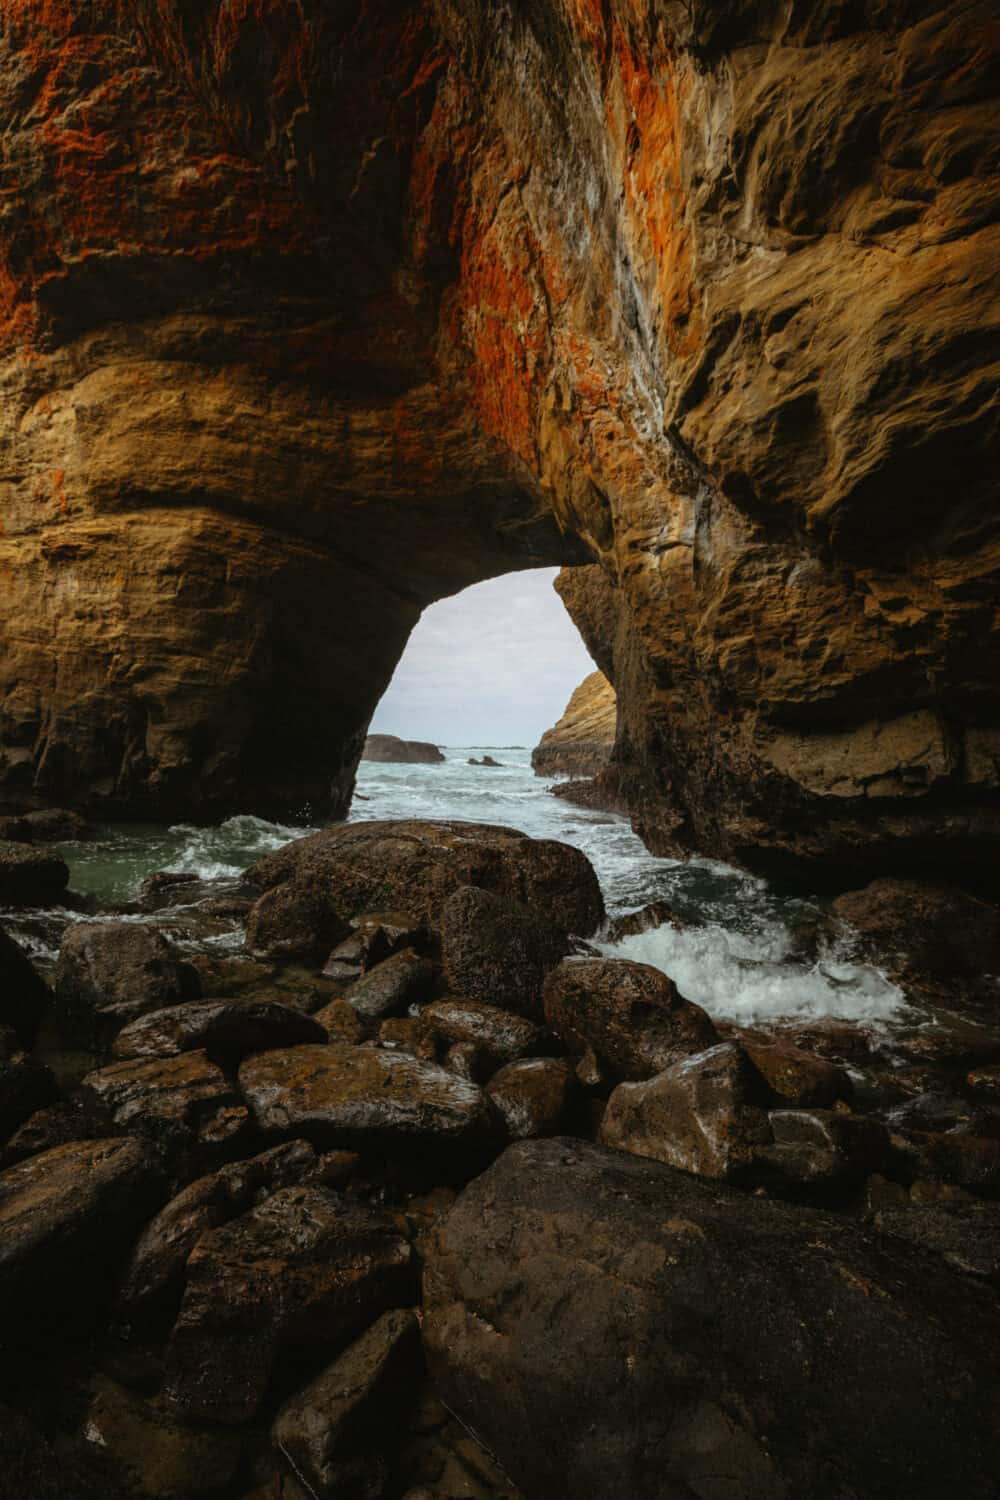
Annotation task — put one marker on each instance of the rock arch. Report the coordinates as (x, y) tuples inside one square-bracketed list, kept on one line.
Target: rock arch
[(315, 312)]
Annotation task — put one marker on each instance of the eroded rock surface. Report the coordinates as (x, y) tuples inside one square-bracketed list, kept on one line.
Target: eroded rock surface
[(580, 744), (389, 748), (307, 324)]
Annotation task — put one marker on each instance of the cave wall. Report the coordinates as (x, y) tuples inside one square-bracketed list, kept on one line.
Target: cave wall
[(315, 312)]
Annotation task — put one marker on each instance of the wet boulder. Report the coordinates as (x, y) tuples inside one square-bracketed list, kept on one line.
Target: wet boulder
[(375, 936), (160, 1254), (185, 1103), (825, 1147), (223, 1028), (499, 1034), (496, 950), (760, 1351), (348, 1409), (629, 1015), (535, 1096), (357, 1096), (304, 1268), (296, 918), (65, 1211), (30, 876), (416, 865), (926, 931), (393, 985), (109, 973), (24, 994), (796, 1076), (706, 1114)]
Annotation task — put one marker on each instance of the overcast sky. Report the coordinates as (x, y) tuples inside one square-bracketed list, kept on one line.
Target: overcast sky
[(494, 665)]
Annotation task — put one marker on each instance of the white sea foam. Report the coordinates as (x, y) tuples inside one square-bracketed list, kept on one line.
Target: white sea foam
[(749, 978)]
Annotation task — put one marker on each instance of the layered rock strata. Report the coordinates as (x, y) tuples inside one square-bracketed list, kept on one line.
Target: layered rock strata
[(581, 742), (310, 318)]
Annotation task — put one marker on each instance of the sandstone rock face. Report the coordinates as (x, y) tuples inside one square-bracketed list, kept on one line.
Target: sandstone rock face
[(389, 749), (306, 324), (646, 1312), (580, 744)]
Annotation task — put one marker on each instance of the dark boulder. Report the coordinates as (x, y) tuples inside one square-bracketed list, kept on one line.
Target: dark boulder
[(30, 876), (295, 919), (796, 1076), (64, 1212), (925, 931), (185, 1103), (494, 949), (351, 1406), (499, 1034), (416, 865), (965, 1235), (111, 972), (24, 994), (535, 1096), (393, 985), (160, 1254), (629, 1015), (224, 1028), (26, 1084), (609, 1326), (303, 1268)]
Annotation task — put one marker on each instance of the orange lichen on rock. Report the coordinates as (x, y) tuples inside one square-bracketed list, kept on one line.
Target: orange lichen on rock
[(654, 97)]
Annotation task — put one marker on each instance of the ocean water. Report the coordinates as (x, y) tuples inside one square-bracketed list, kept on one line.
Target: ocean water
[(744, 950)]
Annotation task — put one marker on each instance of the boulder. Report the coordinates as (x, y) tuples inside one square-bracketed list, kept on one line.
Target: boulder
[(393, 985), (494, 949), (161, 1251), (164, 1458), (351, 1405), (926, 931), (375, 936), (706, 1114), (345, 1095), (341, 1021), (186, 1103), (295, 919), (534, 1096), (585, 1311), (796, 1076), (644, 919), (26, 1084), (64, 1212), (24, 994), (416, 865), (824, 1146), (390, 750), (303, 1268), (57, 825), (629, 1015), (109, 973), (499, 1034), (965, 1235), (223, 1028), (30, 876)]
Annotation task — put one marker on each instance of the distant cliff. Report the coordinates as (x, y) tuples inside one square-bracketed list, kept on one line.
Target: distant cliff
[(388, 748), (580, 744)]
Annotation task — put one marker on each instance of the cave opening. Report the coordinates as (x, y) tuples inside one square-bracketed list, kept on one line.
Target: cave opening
[(490, 667)]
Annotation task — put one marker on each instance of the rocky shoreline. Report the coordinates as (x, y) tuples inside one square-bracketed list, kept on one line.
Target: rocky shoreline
[(424, 1195)]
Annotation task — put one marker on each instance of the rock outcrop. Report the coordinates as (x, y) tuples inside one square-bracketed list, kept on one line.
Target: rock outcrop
[(389, 749), (580, 744), (306, 324)]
